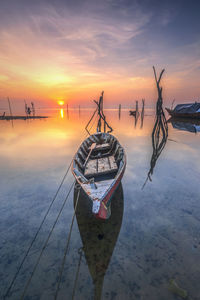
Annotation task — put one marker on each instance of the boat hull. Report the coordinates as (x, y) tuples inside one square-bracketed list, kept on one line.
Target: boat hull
[(101, 188), (183, 115), (105, 203)]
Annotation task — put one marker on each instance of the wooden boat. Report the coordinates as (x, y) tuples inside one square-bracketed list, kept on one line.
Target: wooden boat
[(98, 238), (132, 113), (189, 110), (98, 167)]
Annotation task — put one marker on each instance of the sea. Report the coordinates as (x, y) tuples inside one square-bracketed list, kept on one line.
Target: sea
[(148, 249)]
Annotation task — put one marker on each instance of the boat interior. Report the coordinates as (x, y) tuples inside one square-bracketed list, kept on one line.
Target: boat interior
[(99, 157)]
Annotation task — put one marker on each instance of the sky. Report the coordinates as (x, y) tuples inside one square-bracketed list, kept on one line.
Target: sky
[(72, 50)]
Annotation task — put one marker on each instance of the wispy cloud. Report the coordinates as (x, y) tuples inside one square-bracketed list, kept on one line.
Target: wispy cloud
[(69, 47)]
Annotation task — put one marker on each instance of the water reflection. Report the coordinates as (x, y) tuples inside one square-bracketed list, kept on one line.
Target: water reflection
[(189, 125), (160, 129), (159, 236), (99, 236), (158, 143), (62, 113)]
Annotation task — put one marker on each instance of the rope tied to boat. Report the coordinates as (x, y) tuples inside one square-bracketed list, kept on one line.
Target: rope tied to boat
[(39, 228), (36, 234), (78, 187), (45, 244), (80, 252)]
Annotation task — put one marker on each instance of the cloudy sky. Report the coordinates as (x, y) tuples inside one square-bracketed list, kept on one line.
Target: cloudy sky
[(71, 50)]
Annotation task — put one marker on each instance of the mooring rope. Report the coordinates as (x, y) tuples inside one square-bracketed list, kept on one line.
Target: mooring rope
[(36, 234), (41, 224), (28, 282), (45, 244), (80, 252), (67, 244)]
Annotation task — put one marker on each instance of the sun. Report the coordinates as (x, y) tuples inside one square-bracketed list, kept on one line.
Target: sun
[(60, 102)]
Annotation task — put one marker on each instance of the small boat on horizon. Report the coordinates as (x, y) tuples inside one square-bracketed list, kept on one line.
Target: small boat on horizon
[(187, 110)]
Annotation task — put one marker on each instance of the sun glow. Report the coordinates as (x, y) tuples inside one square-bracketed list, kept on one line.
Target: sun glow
[(61, 102)]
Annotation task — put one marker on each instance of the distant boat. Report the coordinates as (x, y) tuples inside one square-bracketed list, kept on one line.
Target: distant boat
[(189, 110), (98, 167), (132, 113)]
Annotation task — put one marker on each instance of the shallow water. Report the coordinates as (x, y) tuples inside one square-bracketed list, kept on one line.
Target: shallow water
[(152, 237)]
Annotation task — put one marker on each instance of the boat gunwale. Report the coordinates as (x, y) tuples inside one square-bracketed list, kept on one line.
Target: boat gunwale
[(118, 174)]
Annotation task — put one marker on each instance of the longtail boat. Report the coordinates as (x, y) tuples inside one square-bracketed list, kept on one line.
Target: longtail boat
[(98, 167), (189, 110)]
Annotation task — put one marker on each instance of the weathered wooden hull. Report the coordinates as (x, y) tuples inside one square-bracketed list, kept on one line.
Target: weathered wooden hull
[(105, 203), (183, 115), (101, 188)]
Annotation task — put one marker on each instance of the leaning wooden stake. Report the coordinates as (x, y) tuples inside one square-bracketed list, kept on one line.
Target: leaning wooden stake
[(142, 113), (10, 111)]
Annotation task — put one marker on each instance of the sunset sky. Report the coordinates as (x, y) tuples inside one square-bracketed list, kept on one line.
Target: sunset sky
[(72, 50)]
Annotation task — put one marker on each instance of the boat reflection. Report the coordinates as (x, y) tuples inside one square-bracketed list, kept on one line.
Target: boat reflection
[(189, 125), (99, 236)]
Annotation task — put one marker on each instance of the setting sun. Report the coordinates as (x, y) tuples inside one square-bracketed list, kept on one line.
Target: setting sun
[(61, 102)]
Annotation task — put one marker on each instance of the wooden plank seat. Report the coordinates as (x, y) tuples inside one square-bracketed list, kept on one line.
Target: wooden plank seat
[(100, 166), (101, 146)]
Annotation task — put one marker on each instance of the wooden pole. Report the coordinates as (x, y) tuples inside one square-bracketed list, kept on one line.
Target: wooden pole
[(10, 111), (119, 111), (10, 107), (136, 107), (172, 104), (26, 108), (142, 113), (33, 108)]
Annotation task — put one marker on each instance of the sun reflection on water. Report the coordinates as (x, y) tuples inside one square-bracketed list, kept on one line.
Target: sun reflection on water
[(62, 113)]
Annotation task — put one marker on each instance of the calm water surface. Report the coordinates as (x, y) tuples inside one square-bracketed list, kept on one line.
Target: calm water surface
[(153, 235)]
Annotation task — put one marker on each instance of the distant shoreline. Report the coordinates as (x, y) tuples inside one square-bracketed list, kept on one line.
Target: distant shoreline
[(8, 118)]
